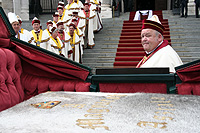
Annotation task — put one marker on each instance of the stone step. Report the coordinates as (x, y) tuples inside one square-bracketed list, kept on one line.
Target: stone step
[(99, 55), (98, 65), (99, 50), (98, 60)]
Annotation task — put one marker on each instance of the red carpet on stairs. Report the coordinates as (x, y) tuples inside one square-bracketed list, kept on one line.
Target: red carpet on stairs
[(130, 50)]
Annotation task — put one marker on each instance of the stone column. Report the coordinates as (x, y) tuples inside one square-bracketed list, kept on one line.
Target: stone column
[(21, 8), (191, 7), (7, 5)]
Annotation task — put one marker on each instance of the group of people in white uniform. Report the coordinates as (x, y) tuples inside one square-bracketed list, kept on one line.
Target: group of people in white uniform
[(70, 31)]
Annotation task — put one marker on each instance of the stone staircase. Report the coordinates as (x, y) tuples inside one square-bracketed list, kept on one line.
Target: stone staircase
[(106, 43), (185, 36)]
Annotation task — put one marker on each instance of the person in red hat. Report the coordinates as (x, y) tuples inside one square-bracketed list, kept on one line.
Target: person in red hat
[(36, 33), (46, 33), (55, 45), (158, 52), (88, 18), (75, 44), (55, 18), (61, 12), (64, 37)]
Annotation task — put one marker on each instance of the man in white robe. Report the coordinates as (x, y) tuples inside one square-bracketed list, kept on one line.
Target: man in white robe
[(97, 24), (158, 52), (55, 18), (46, 33), (65, 38), (88, 16), (16, 26), (22, 30), (36, 35), (75, 44), (143, 14), (55, 45)]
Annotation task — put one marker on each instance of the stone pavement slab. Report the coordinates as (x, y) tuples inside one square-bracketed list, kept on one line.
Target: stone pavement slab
[(104, 112)]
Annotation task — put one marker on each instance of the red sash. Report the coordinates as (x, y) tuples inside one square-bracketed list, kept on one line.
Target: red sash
[(145, 58), (87, 16), (63, 37)]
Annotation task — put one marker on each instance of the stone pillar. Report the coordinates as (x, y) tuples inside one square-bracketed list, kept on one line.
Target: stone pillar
[(191, 7), (21, 8), (7, 5)]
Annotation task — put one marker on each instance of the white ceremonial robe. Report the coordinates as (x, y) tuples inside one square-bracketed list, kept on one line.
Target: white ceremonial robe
[(24, 31), (144, 12), (97, 24), (54, 24), (22, 37), (33, 40), (52, 46), (165, 57), (45, 36), (66, 40), (76, 56), (90, 36), (80, 4)]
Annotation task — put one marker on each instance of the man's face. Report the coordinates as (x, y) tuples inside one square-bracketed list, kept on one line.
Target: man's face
[(71, 29), (36, 26), (61, 28), (55, 19), (150, 39), (16, 26), (86, 7), (60, 11)]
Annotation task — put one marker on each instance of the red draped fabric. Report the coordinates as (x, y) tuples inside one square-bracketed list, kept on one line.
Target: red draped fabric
[(26, 70), (190, 77)]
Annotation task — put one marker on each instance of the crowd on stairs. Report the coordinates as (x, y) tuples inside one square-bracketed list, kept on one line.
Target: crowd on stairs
[(70, 31)]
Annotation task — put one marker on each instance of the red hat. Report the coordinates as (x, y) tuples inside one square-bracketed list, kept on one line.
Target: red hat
[(72, 24), (56, 14), (61, 3), (35, 20), (49, 22), (60, 7), (86, 4), (154, 24), (59, 23)]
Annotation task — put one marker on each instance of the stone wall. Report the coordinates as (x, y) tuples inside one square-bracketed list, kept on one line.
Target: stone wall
[(19, 7)]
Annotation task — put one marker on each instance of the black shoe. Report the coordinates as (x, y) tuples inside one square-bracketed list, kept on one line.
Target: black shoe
[(185, 16), (182, 15)]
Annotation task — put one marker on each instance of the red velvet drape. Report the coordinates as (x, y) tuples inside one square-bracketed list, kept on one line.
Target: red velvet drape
[(190, 77)]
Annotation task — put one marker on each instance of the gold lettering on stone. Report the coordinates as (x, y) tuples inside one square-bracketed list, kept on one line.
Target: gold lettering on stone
[(98, 110), (162, 117), (94, 115), (80, 106), (161, 101), (98, 106), (91, 123), (159, 98), (161, 125), (165, 109), (105, 100), (169, 105), (164, 113)]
